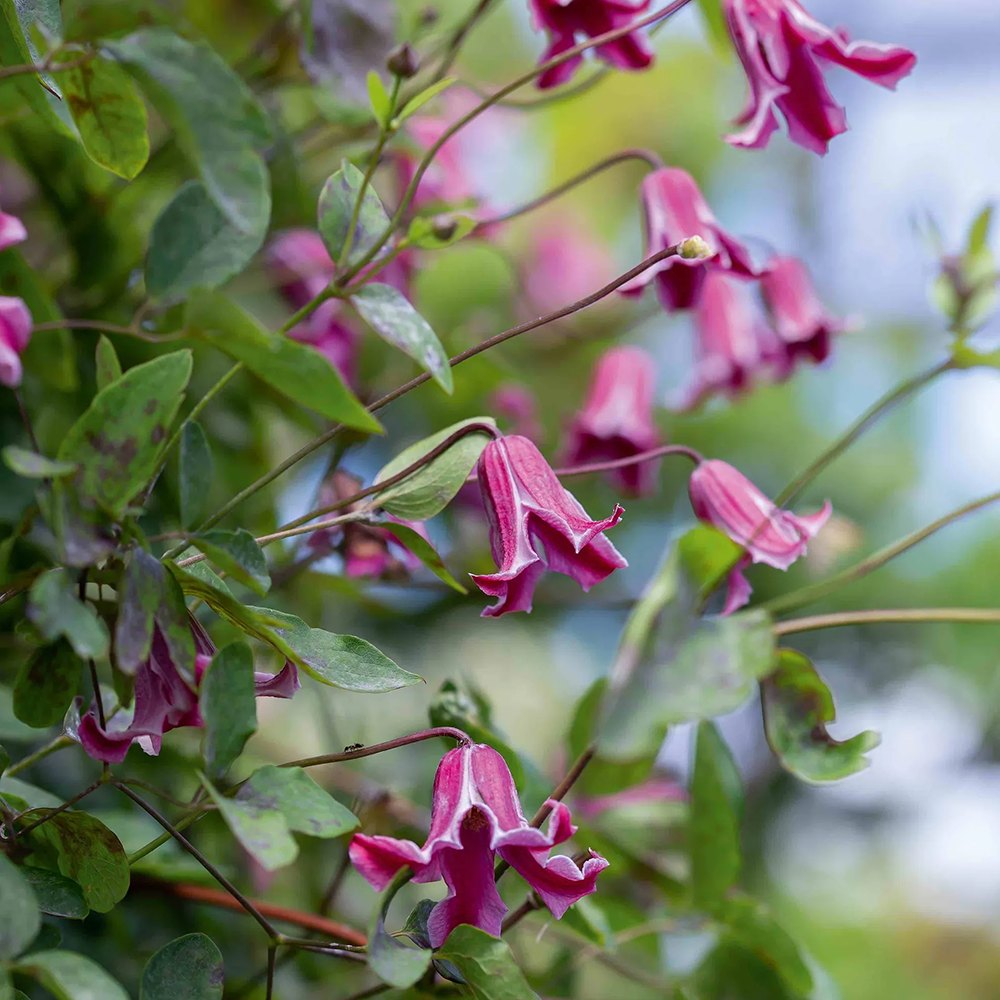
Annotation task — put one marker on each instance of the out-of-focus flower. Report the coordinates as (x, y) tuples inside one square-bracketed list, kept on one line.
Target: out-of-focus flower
[(12, 231), (783, 49), (648, 792), (166, 699), (476, 815), (15, 332), (567, 22), (617, 419), (517, 406), (565, 264), (803, 326), (676, 210), (724, 498), (527, 506)]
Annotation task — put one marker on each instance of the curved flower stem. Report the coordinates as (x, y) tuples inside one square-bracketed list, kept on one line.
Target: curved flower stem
[(875, 561), (425, 734), (59, 743), (499, 95), (47, 65), (645, 155), (458, 38), (869, 417), (622, 463), (328, 435), (68, 804), (889, 616)]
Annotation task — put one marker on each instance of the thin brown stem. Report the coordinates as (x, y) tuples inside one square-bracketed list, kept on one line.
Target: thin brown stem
[(530, 904), (427, 734), (98, 324), (48, 65), (642, 456), (458, 39), (68, 804)]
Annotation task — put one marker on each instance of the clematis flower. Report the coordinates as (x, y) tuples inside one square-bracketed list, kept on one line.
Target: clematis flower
[(165, 699), (724, 498), (802, 325), (783, 50), (15, 332), (476, 815), (675, 210), (568, 21), (527, 506), (12, 231), (517, 405), (617, 419)]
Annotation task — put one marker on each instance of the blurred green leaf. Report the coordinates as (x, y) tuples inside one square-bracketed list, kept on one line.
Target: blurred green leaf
[(108, 368), (4, 759), (731, 972), (46, 684), (188, 968), (228, 706), (196, 470), (31, 465), (966, 289), (84, 850), (378, 97), (19, 917), (424, 551), (69, 976), (431, 488), (486, 963), (392, 961), (797, 708), (336, 207), (415, 103), (714, 828), (118, 440), (587, 918), (437, 233), (57, 895), (55, 610), (715, 24), (387, 311), (108, 112), (299, 372), (238, 554)]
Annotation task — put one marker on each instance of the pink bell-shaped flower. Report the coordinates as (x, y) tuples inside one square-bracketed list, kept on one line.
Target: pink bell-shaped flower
[(15, 332)]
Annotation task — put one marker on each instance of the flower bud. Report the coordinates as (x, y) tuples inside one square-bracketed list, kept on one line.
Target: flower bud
[(403, 62), (694, 248), (444, 227)]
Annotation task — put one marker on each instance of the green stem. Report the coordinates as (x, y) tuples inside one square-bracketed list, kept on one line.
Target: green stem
[(970, 616), (807, 595), (870, 416), (59, 743), (182, 824)]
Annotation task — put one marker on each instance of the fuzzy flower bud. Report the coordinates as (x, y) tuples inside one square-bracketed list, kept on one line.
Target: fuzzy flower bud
[(694, 248)]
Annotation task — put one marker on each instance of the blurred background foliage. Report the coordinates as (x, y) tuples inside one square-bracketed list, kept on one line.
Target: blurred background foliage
[(890, 880)]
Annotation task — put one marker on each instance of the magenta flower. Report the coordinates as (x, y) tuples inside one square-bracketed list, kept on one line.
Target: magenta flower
[(165, 699), (12, 231), (724, 498), (518, 407), (675, 209), (802, 325), (565, 264), (783, 50), (476, 815), (527, 505), (617, 419), (15, 332), (568, 21)]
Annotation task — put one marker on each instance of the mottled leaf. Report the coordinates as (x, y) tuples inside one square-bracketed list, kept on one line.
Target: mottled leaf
[(431, 488), (56, 611), (486, 964), (19, 917), (139, 594), (336, 207), (31, 465), (196, 470), (414, 542), (798, 706), (118, 440), (387, 311), (238, 554), (109, 114), (228, 706), (305, 806), (57, 895), (46, 684), (188, 968), (107, 367), (298, 371), (69, 976)]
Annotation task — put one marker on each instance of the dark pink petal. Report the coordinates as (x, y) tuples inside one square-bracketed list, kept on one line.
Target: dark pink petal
[(378, 859), (12, 231), (800, 321), (559, 881), (15, 332), (738, 589), (283, 684), (301, 265)]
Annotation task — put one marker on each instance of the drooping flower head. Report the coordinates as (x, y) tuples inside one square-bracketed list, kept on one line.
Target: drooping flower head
[(724, 498), (617, 419), (568, 22), (15, 332), (475, 815), (783, 50), (803, 327), (528, 509), (166, 699), (675, 210)]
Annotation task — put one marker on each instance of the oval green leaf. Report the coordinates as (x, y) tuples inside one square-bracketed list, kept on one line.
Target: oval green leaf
[(486, 964), (188, 968), (19, 916), (46, 684), (69, 976), (56, 611), (238, 554), (228, 706), (336, 208)]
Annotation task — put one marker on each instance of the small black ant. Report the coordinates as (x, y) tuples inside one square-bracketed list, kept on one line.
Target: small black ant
[(353, 747)]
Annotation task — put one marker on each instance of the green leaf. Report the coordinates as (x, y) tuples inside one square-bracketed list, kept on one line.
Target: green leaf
[(196, 471), (108, 367), (188, 968), (431, 488), (238, 554), (109, 114), (19, 917), (381, 102), (336, 207), (342, 661), (4, 759), (118, 440), (305, 806), (46, 684), (440, 232), (57, 895), (424, 551), (140, 593), (714, 829), (69, 976), (228, 706), (798, 706), (587, 918), (299, 372), (391, 316), (392, 961), (31, 465), (715, 24), (415, 103), (56, 611), (84, 850), (486, 963), (732, 972)]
